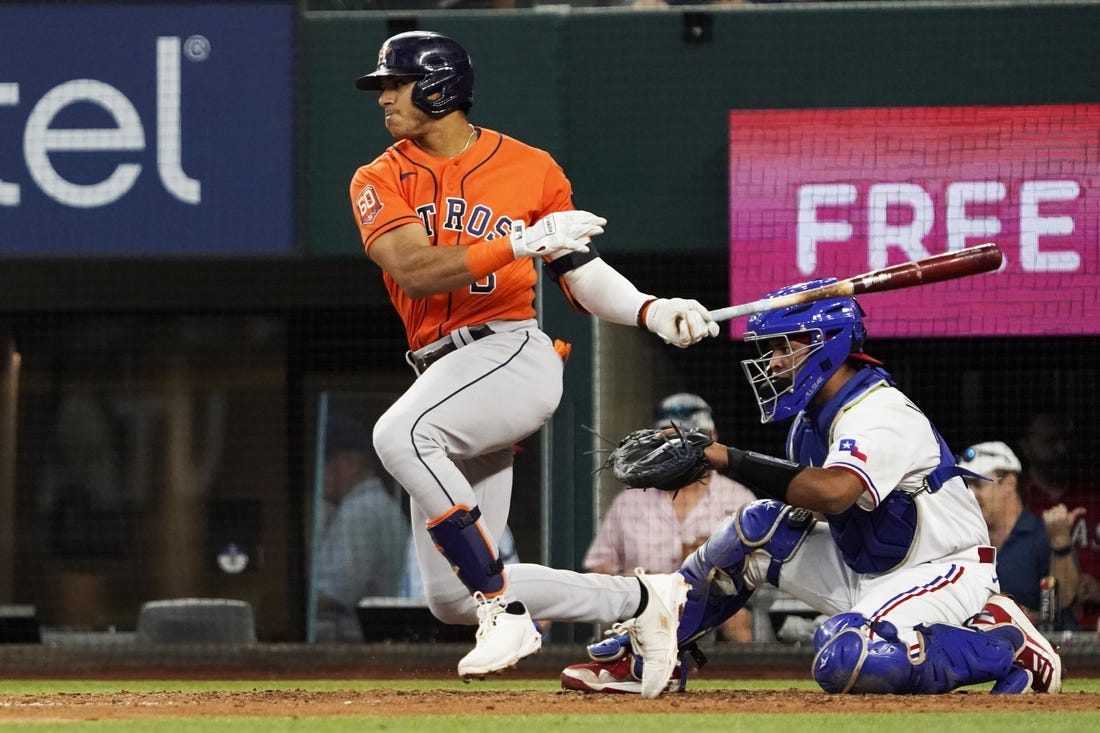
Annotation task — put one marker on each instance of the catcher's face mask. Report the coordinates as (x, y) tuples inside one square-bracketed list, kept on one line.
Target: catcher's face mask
[(790, 370)]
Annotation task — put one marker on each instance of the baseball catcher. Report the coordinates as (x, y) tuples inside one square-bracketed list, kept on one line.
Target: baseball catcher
[(867, 520)]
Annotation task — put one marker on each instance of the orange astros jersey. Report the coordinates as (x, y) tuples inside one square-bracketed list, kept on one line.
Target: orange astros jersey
[(461, 201)]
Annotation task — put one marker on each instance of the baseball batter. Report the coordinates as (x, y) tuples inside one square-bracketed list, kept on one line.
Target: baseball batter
[(458, 217), (868, 522)]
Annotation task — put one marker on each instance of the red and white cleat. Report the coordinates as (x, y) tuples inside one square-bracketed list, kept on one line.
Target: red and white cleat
[(622, 676), (1037, 655)]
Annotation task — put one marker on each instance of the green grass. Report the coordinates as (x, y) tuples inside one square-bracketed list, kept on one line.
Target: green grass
[(648, 723)]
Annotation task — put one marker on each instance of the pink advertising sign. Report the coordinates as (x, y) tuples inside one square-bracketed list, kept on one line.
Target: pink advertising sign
[(836, 193)]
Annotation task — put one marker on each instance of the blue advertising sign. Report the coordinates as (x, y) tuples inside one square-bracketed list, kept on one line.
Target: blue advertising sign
[(146, 129)]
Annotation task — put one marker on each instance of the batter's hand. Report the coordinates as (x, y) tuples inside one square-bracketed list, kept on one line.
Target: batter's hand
[(562, 231), (680, 322)]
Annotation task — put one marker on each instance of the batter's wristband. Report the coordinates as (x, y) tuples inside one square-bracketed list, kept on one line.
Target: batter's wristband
[(485, 258), (642, 312), (763, 474)]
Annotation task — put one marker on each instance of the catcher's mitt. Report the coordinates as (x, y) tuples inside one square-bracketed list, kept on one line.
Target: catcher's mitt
[(655, 458)]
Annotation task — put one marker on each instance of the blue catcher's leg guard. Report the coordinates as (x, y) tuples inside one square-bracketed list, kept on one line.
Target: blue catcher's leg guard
[(715, 577), (714, 572), (847, 660), (458, 535), (609, 649)]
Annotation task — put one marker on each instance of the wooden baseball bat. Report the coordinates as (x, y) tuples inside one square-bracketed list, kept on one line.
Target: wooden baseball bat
[(946, 266)]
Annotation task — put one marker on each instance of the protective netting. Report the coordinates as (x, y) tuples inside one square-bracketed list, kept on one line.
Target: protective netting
[(183, 297)]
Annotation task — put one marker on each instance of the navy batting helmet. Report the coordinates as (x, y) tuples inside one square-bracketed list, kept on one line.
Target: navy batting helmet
[(442, 69), (820, 335)]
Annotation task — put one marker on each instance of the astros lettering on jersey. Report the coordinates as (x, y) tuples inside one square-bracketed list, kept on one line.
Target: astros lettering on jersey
[(471, 198)]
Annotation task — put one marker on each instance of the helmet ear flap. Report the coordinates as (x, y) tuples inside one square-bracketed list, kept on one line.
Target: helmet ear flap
[(453, 89), (442, 69)]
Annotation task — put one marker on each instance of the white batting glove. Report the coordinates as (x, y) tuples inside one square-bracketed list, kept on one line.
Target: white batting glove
[(560, 232), (680, 322)]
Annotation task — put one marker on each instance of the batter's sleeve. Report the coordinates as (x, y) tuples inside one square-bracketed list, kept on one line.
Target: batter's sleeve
[(377, 205)]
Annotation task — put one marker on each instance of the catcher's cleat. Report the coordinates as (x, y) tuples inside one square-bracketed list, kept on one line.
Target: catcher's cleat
[(653, 631), (622, 676), (505, 635), (1037, 655)]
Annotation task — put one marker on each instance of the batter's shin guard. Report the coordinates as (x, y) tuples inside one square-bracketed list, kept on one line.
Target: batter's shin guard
[(459, 536)]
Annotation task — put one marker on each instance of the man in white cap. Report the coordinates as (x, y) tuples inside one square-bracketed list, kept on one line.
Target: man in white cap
[(655, 529), (1029, 549)]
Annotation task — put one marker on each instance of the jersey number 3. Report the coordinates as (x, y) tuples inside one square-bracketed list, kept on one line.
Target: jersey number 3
[(486, 285)]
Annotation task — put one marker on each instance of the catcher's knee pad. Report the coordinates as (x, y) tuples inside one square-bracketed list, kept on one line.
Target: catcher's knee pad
[(846, 660), (459, 536), (716, 584), (714, 572), (765, 524), (854, 656), (776, 528)]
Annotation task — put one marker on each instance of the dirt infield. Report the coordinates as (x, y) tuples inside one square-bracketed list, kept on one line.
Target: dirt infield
[(294, 662), (382, 702)]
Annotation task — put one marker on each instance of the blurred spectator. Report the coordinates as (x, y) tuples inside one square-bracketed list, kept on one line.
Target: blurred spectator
[(362, 545), (83, 487), (654, 530), (1050, 455), (1028, 548)]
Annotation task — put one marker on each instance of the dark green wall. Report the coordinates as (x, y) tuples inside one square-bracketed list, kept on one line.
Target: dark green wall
[(343, 127), (637, 115)]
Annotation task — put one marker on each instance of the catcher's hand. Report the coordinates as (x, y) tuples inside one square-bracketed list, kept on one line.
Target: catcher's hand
[(661, 458)]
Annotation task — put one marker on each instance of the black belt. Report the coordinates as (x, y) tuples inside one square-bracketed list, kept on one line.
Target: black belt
[(420, 363)]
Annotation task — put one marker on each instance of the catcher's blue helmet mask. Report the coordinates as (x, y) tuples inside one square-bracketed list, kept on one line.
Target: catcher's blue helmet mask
[(442, 69), (820, 336)]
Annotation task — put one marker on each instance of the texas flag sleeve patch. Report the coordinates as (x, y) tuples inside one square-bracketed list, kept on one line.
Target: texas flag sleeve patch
[(848, 445)]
